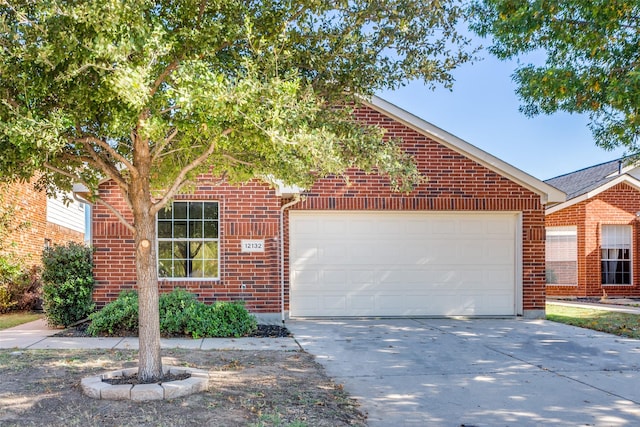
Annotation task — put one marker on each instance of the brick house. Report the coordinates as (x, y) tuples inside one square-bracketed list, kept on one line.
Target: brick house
[(39, 221), (592, 237), (470, 241)]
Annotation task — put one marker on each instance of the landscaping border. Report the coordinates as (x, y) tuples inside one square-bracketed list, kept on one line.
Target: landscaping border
[(96, 388)]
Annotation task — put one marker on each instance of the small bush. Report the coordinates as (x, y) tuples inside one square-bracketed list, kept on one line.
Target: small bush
[(222, 319), (119, 317), (180, 313), (233, 320), (20, 289), (68, 283), (173, 309)]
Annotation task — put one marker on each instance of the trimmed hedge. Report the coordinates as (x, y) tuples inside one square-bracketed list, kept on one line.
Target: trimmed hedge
[(68, 283), (180, 314)]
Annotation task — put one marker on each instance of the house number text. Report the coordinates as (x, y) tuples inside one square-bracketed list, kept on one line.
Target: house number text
[(252, 245)]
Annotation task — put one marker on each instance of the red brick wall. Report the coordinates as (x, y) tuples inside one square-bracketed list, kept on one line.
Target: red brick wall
[(59, 235), (248, 212), (252, 211), (455, 183), (616, 206), (29, 211)]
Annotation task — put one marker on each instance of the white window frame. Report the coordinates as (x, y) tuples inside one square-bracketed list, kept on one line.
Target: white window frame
[(615, 237), (568, 254), (188, 239)]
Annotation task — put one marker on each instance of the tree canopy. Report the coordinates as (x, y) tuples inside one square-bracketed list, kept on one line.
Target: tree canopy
[(152, 93), (592, 63), (238, 88)]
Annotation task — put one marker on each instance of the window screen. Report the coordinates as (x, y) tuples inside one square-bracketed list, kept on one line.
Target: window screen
[(562, 256)]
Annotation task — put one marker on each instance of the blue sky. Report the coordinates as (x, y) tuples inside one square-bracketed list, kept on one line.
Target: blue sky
[(482, 109)]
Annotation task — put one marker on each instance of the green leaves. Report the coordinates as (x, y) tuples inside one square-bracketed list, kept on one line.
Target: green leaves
[(591, 63), (180, 314), (240, 89), (68, 283)]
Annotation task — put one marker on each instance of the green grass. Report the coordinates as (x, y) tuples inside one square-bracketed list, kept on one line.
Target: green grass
[(622, 324), (10, 320)]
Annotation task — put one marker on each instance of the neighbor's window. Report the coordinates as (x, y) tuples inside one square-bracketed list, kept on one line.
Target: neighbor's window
[(561, 259), (188, 240), (616, 255)]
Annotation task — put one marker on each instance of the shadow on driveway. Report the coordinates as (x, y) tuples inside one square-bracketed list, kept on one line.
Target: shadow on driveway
[(479, 372)]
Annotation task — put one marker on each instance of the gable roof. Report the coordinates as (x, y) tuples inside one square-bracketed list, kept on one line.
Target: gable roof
[(548, 193), (588, 182), (584, 180)]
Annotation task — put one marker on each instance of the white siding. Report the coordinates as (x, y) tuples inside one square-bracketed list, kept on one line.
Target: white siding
[(70, 216)]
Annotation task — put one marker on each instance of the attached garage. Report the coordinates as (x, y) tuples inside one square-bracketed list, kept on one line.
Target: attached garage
[(375, 263), (468, 240)]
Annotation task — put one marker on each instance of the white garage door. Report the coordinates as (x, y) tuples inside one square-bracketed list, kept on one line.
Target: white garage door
[(402, 264)]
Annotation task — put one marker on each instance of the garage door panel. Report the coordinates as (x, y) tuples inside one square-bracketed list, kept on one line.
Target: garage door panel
[(396, 264), (443, 226)]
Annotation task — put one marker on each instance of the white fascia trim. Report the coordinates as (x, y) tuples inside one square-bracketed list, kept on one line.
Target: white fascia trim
[(625, 170), (548, 194), (627, 179), (283, 190)]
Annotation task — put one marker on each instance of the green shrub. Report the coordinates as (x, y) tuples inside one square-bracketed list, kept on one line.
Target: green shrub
[(9, 273), (222, 319), (233, 320), (68, 283), (173, 309), (180, 313), (20, 289), (119, 317)]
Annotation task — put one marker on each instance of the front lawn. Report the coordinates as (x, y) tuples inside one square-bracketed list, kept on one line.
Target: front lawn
[(10, 320), (622, 324), (246, 388)]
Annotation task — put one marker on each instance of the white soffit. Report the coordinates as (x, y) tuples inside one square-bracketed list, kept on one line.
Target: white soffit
[(627, 179), (548, 193)]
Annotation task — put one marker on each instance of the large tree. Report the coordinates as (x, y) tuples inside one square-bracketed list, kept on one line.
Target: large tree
[(592, 62), (150, 94)]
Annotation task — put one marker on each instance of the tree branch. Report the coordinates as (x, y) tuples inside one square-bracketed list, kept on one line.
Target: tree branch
[(9, 100), (118, 215), (235, 160), (110, 150), (157, 150), (73, 177), (163, 76), (179, 181), (109, 170)]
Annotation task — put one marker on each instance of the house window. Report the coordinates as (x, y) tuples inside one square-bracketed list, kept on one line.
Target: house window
[(615, 252), (188, 244), (561, 259)]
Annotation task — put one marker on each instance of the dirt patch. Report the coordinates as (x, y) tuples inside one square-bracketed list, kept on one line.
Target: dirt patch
[(247, 388)]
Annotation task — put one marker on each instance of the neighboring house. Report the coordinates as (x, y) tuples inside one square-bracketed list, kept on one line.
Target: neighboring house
[(38, 221), (592, 237), (470, 241)]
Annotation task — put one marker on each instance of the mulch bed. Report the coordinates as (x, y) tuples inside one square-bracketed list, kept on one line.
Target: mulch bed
[(263, 331), (133, 379)]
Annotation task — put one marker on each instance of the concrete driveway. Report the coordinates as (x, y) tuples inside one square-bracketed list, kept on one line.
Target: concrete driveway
[(481, 372)]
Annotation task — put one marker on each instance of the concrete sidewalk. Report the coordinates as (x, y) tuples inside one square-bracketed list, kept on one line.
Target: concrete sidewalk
[(37, 335), (608, 306)]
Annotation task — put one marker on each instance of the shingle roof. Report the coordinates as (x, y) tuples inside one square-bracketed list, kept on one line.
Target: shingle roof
[(584, 180)]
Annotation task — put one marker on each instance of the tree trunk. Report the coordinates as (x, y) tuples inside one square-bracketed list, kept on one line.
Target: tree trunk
[(149, 359), (150, 362)]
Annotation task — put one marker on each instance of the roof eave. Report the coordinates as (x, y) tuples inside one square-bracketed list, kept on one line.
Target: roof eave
[(548, 194), (627, 179)]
